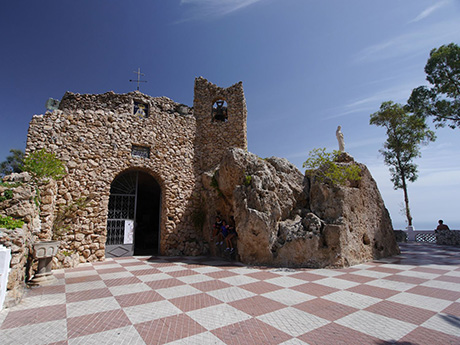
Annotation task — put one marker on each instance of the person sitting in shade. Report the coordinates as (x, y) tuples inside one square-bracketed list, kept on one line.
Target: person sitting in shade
[(217, 229), (223, 233), (442, 226), (231, 234)]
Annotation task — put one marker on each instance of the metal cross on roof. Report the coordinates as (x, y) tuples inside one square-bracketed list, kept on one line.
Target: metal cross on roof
[(138, 78)]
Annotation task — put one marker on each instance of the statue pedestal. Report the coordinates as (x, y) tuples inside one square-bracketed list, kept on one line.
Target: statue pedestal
[(44, 252)]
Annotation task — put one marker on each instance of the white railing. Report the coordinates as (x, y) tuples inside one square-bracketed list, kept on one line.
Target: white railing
[(5, 258), (421, 235)]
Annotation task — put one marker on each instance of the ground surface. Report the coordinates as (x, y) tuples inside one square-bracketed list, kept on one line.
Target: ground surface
[(413, 298)]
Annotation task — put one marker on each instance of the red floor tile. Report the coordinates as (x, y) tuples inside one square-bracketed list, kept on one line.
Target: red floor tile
[(257, 305), (45, 290), (435, 293), (164, 283), (168, 329), (193, 302), (87, 295), (122, 281), (221, 274), (260, 287), (373, 291), (95, 323), (131, 263), (335, 334), (453, 309), (355, 278), (449, 279), (307, 276), (384, 269), (402, 312), (325, 309), (429, 270), (19, 318), (262, 275), (425, 336), (83, 279), (84, 268), (138, 298), (146, 271), (182, 273), (250, 332), (210, 285), (406, 279), (102, 270), (315, 289)]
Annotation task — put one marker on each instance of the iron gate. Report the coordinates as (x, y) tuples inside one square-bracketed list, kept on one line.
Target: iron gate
[(121, 216)]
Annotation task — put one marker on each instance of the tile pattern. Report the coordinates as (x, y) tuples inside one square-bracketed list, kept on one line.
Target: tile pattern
[(412, 298)]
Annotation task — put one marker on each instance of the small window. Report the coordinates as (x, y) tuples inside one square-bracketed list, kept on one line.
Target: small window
[(141, 109), (140, 151), (219, 111)]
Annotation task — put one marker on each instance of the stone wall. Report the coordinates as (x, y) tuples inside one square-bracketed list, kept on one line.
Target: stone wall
[(448, 237)]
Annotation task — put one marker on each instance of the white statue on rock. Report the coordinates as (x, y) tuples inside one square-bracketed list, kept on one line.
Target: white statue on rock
[(339, 135)]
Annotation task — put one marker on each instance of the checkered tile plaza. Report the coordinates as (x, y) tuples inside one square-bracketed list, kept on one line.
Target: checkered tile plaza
[(413, 298)]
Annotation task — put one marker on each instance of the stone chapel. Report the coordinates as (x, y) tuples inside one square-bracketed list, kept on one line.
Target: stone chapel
[(139, 159)]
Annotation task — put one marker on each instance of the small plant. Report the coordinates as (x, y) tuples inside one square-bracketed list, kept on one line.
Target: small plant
[(323, 165), (66, 215), (67, 252), (7, 222), (7, 195), (247, 180), (215, 184), (10, 184)]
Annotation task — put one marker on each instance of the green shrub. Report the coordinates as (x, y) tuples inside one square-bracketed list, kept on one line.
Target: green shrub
[(43, 165), (323, 165), (7, 222), (247, 180)]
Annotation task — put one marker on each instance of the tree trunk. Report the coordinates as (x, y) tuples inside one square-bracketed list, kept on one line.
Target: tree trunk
[(406, 200)]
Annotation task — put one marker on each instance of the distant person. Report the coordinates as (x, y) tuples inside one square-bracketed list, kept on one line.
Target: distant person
[(442, 226), (217, 228)]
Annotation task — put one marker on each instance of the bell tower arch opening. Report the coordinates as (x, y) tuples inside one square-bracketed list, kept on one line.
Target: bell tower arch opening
[(133, 221)]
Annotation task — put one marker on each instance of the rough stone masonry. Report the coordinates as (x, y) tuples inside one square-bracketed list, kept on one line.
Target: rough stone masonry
[(122, 151)]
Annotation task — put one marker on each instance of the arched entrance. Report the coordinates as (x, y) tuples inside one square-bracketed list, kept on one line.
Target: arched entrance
[(133, 221)]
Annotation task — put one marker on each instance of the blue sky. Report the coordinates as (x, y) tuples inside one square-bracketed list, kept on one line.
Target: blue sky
[(307, 66)]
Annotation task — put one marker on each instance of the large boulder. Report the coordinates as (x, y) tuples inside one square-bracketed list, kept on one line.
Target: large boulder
[(284, 218)]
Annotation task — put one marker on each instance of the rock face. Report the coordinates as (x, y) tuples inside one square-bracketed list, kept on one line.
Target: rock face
[(286, 219)]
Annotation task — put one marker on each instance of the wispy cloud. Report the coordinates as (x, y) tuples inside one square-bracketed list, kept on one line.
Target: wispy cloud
[(200, 9), (412, 43), (425, 13), (371, 103)]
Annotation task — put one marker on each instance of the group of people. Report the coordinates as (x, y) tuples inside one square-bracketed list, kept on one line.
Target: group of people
[(224, 232)]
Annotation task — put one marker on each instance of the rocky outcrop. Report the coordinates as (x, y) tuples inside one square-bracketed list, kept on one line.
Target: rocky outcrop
[(284, 218)]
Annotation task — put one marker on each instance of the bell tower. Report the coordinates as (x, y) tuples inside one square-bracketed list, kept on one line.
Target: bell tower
[(221, 117)]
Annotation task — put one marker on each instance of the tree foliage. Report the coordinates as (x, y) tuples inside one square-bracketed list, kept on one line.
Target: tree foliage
[(324, 166), (13, 162), (442, 99), (405, 134)]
